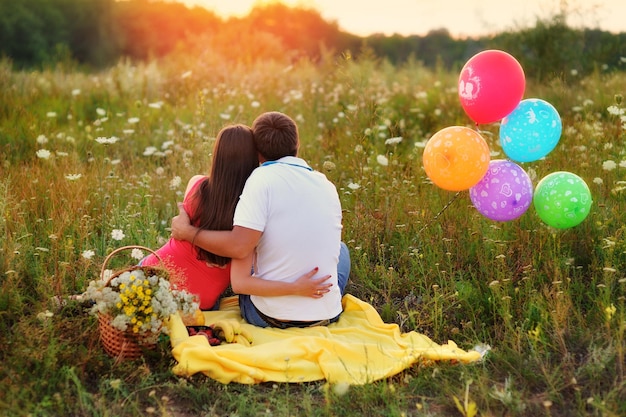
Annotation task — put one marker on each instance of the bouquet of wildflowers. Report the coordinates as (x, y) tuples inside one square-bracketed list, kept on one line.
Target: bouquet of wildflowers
[(139, 301)]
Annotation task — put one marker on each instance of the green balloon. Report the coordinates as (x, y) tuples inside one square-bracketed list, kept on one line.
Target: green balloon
[(562, 200)]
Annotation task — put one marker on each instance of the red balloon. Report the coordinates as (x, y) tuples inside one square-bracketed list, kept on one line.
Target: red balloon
[(491, 85)]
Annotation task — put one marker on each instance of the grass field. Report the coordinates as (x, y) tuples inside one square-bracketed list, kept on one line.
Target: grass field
[(92, 162)]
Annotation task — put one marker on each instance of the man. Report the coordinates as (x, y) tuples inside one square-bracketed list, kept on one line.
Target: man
[(287, 225)]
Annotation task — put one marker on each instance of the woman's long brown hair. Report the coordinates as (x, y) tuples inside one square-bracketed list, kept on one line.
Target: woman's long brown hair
[(234, 159)]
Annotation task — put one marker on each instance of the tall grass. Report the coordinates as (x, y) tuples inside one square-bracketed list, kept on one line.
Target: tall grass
[(116, 149)]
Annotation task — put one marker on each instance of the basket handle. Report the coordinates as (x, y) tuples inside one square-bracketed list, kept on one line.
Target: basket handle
[(110, 255)]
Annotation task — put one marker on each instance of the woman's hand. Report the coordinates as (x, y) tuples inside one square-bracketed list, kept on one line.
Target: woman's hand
[(308, 286)]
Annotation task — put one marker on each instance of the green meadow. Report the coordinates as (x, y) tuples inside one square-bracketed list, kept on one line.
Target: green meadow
[(91, 161)]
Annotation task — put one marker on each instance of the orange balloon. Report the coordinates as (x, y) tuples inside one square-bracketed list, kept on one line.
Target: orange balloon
[(456, 158)]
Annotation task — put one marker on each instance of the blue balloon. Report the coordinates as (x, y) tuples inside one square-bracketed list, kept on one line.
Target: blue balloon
[(531, 131)]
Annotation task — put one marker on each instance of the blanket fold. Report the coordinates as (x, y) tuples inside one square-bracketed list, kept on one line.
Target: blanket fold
[(358, 349)]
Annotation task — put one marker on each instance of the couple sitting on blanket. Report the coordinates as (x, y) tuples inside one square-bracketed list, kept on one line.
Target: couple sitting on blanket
[(272, 231)]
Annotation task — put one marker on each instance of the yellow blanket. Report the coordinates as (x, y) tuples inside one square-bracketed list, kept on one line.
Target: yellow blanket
[(358, 349)]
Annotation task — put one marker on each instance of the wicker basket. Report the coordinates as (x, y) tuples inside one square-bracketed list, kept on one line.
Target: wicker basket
[(125, 344)]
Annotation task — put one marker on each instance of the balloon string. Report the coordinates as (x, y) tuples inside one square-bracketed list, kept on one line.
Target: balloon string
[(448, 204)]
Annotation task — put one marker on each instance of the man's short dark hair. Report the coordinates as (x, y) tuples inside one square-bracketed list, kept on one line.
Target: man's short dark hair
[(275, 135)]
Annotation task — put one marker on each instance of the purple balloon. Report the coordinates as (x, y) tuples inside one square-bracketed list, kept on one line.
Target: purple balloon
[(504, 193)]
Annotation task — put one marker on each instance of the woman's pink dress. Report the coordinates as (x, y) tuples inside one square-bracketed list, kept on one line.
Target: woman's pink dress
[(208, 282)]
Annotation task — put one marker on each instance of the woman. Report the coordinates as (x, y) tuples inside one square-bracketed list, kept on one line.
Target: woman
[(210, 202)]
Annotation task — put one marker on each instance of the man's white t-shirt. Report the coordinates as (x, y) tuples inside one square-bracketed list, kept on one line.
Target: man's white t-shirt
[(299, 213)]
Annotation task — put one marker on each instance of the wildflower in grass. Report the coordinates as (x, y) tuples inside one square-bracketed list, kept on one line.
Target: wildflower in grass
[(353, 186), (167, 144), (88, 254), (358, 149), (609, 312), (107, 141), (609, 165), (155, 105), (76, 92), (44, 316), (393, 141), (51, 114), (186, 74), (175, 182), (328, 165), (42, 139), (150, 150), (137, 254), (128, 131), (341, 388), (43, 154), (615, 111), (598, 180), (133, 120), (535, 333), (224, 116), (117, 234), (608, 243), (160, 171), (382, 160), (101, 112), (255, 104), (467, 408), (115, 383)]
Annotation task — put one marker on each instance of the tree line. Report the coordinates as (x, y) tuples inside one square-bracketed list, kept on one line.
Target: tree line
[(97, 33)]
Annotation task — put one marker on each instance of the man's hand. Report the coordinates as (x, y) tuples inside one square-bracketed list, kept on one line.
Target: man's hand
[(181, 225)]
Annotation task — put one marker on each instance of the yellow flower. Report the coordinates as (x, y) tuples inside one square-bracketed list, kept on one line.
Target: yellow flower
[(535, 333), (609, 312)]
